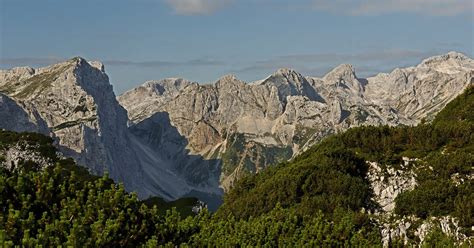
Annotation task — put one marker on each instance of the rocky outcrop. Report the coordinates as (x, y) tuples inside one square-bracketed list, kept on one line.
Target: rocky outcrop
[(289, 112), (22, 152), (387, 182)]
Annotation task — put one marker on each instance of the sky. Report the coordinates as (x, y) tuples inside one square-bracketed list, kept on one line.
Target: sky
[(202, 40)]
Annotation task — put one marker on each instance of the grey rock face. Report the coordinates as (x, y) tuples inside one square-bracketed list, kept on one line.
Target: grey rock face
[(13, 117), (420, 92), (74, 103), (286, 113)]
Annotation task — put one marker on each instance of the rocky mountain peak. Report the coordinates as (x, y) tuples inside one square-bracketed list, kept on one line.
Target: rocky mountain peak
[(79, 63), (285, 71), (98, 65), (291, 76), (450, 63), (344, 77), (446, 57), (167, 85), (228, 77), (202, 129), (74, 103), (289, 83), (228, 80), (75, 62), (345, 72)]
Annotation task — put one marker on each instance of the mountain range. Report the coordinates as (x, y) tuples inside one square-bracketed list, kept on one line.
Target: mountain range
[(174, 138)]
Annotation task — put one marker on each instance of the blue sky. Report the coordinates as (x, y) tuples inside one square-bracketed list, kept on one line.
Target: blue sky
[(201, 40)]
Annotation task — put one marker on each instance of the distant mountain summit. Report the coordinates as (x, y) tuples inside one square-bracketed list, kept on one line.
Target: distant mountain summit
[(175, 137)]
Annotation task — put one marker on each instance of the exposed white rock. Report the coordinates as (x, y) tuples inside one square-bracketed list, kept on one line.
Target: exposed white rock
[(388, 183), (420, 92), (23, 152), (401, 228)]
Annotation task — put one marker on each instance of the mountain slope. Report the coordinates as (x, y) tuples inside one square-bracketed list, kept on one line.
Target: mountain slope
[(251, 126)]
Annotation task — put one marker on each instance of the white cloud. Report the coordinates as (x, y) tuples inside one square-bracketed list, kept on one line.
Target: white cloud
[(378, 7), (197, 7)]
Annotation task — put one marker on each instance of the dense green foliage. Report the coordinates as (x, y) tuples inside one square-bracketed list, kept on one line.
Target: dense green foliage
[(65, 205), (285, 227), (451, 157), (336, 180), (320, 198), (55, 207), (184, 206)]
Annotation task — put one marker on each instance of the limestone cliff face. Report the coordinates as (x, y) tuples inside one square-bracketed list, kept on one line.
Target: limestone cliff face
[(74, 103), (286, 113), (421, 91)]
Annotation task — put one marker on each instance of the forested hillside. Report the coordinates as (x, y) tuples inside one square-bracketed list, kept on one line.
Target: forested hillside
[(321, 198), (332, 175)]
